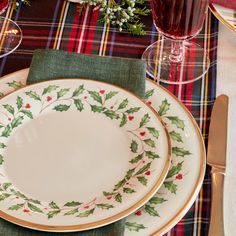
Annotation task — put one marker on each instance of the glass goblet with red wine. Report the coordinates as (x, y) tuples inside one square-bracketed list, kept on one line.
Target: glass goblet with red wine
[(10, 32), (174, 59)]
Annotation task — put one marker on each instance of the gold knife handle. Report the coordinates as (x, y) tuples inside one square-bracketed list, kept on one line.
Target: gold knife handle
[(216, 222)]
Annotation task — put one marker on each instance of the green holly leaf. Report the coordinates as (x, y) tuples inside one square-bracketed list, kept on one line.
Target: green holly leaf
[(62, 92), (136, 159), (33, 201), (34, 208), (2, 145), (9, 108), (123, 104), (61, 107), (16, 121), (98, 109), (180, 152), (33, 95), (86, 213), (157, 200), (111, 114), (1, 159), (1, 94), (150, 210), (7, 131), (108, 193), (104, 206), (171, 186), (96, 96), (123, 120), (149, 142), (49, 89), (134, 146), (143, 169), (51, 214), (177, 122), (128, 190), (152, 155), (144, 120), (19, 194), (133, 226), (164, 107), (14, 84), (133, 110), (16, 207), (53, 205), (175, 136), (142, 180), (110, 95), (5, 186), (73, 204), (118, 197), (78, 91), (129, 173), (79, 105), (71, 212), (153, 131), (174, 170), (19, 102), (4, 196), (28, 113), (119, 184), (148, 94)]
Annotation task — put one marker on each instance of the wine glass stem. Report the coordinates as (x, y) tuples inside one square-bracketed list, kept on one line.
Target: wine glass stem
[(176, 55)]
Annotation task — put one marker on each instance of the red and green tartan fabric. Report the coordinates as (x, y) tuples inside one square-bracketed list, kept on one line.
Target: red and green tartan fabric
[(58, 24)]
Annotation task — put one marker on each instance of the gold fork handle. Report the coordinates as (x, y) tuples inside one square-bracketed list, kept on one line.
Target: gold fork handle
[(216, 222)]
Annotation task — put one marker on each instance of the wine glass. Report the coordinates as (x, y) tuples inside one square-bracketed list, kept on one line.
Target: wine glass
[(173, 59), (10, 32)]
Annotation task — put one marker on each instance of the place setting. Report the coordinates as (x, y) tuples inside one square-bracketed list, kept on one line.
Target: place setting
[(96, 144)]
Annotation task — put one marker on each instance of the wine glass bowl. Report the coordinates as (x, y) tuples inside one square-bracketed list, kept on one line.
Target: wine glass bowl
[(174, 59)]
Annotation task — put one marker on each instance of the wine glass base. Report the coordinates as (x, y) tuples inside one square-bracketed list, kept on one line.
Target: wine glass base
[(10, 36), (194, 65)]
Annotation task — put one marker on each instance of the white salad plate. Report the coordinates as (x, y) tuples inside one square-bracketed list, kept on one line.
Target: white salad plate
[(184, 180), (78, 154)]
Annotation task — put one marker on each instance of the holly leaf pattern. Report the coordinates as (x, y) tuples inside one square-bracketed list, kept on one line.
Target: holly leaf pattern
[(111, 114), (61, 108), (157, 200), (78, 91), (33, 95), (73, 204), (133, 110), (104, 206), (1, 159), (180, 152), (14, 84), (16, 207), (149, 142), (174, 170), (118, 197), (151, 210), (148, 94), (136, 159), (134, 146), (142, 180), (177, 122), (34, 208), (143, 169), (171, 186), (19, 102), (4, 196), (49, 89), (110, 95), (123, 120), (152, 155), (123, 104), (1, 94), (71, 212), (9, 108), (144, 120), (28, 113), (129, 173), (119, 184), (164, 107), (133, 226), (51, 214), (128, 190), (79, 105), (2, 145), (6, 132), (175, 136), (16, 121), (5, 186), (96, 96), (154, 132), (53, 205), (86, 213), (62, 92), (96, 108)]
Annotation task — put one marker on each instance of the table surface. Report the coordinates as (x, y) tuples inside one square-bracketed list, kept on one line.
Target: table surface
[(57, 24)]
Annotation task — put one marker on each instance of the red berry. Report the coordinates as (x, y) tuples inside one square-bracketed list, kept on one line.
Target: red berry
[(9, 119), (138, 213), (111, 107), (17, 197), (142, 133), (179, 176), (85, 97), (27, 106), (110, 197), (149, 103), (148, 173), (26, 210), (45, 208), (86, 207), (102, 91), (130, 118), (143, 161), (49, 98)]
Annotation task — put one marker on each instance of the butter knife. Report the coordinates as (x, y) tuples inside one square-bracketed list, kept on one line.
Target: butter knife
[(216, 158)]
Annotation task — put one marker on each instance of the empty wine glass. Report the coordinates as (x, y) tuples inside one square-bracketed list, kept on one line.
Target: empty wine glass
[(10, 32), (174, 59)]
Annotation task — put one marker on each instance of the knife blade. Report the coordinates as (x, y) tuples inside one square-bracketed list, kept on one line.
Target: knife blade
[(216, 158)]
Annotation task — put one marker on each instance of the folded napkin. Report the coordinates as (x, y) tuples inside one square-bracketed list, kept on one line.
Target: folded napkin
[(226, 3), (50, 64)]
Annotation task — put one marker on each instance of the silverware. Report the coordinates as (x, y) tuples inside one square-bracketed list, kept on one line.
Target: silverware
[(216, 158)]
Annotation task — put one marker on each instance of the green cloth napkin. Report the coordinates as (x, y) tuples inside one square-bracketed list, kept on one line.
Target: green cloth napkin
[(50, 64)]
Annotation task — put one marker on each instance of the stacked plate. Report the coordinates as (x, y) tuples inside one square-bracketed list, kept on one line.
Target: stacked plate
[(78, 154)]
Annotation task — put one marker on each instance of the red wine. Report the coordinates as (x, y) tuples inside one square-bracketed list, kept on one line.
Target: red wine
[(3, 5), (179, 19)]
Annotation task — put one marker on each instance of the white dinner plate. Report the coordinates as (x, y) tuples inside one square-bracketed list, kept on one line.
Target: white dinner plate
[(78, 154), (186, 175)]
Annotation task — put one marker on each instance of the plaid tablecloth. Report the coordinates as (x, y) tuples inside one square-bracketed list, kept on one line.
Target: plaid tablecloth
[(58, 24)]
